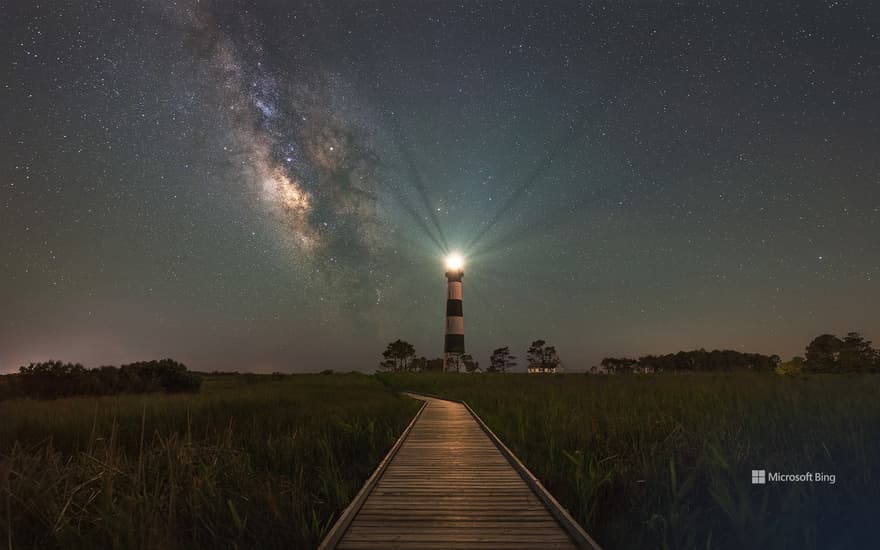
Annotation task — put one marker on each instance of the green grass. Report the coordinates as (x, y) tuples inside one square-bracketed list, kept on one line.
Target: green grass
[(250, 462), (664, 461), (260, 461)]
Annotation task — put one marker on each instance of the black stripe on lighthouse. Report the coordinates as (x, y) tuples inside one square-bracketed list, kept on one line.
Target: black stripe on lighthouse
[(454, 343), (453, 308)]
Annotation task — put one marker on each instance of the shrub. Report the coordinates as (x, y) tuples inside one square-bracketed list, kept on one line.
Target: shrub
[(54, 379)]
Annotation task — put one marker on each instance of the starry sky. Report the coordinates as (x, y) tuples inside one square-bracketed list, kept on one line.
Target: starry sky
[(273, 185)]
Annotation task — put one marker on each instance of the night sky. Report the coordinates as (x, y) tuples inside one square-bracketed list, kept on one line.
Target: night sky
[(273, 185)]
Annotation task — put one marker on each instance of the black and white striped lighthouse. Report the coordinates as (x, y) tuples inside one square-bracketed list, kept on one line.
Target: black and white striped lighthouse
[(453, 345)]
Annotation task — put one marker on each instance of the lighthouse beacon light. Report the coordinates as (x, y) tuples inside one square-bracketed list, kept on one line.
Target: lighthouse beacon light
[(454, 262)]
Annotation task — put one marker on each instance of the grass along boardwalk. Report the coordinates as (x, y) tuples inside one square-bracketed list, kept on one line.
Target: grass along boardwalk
[(449, 483)]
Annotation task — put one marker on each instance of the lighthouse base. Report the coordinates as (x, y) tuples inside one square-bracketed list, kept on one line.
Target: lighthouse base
[(452, 362)]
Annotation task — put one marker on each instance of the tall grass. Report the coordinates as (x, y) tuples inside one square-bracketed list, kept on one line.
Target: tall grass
[(664, 461), (251, 462)]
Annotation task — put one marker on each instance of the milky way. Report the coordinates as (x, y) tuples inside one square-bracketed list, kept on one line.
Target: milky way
[(314, 169)]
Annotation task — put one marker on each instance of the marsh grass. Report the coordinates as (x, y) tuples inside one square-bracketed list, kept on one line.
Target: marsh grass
[(251, 462), (664, 461)]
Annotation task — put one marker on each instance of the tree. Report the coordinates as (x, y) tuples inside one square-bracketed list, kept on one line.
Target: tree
[(856, 353), (823, 353), (501, 360), (540, 355), (795, 366), (469, 364), (419, 364), (434, 365), (397, 356), (453, 362), (619, 365), (166, 374)]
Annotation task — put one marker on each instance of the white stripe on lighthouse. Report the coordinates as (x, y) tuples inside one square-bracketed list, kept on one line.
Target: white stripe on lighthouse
[(454, 291), (455, 325)]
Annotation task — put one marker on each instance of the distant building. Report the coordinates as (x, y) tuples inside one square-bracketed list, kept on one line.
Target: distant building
[(541, 369)]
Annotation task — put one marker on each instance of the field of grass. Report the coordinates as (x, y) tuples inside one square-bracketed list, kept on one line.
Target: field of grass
[(250, 462), (642, 461), (664, 461)]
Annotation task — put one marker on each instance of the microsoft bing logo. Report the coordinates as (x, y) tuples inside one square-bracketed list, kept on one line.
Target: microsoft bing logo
[(759, 477)]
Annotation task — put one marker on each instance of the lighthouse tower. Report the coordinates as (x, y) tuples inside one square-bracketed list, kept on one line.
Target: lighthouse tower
[(453, 345)]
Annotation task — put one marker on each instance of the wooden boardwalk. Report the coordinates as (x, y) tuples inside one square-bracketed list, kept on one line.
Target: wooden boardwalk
[(448, 484)]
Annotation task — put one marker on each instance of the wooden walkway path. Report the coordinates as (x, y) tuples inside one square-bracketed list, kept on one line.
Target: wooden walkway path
[(449, 483)]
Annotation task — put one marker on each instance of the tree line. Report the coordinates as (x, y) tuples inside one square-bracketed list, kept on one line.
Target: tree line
[(54, 379), (824, 354), (400, 356), (691, 361)]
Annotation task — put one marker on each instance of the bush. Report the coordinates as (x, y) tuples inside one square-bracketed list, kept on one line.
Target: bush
[(54, 379), (167, 374)]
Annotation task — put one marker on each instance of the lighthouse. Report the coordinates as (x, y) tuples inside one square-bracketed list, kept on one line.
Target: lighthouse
[(453, 345)]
